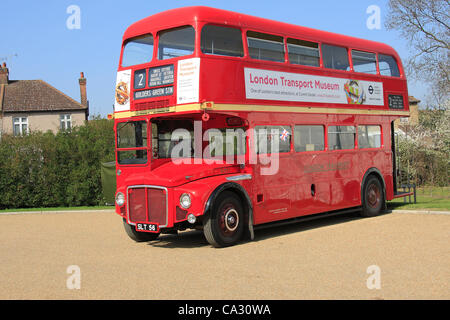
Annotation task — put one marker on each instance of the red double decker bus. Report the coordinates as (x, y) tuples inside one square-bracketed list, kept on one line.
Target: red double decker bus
[(226, 121)]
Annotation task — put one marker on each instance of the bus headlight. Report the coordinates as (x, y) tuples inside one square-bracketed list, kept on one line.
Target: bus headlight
[(120, 199), (185, 200)]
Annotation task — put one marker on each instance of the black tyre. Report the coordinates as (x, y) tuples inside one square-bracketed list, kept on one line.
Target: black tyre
[(373, 197), (224, 225), (138, 236)]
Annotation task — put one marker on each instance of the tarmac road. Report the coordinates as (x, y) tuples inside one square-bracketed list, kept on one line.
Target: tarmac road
[(322, 259)]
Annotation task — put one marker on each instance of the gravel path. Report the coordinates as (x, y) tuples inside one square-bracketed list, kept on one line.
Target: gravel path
[(323, 259)]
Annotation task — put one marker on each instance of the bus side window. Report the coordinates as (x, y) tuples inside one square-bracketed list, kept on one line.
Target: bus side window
[(263, 46), (341, 137), (302, 52), (335, 57), (309, 138), (388, 66), (364, 62), (369, 137), (272, 139), (224, 41)]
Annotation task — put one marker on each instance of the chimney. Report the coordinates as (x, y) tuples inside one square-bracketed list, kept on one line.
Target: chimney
[(83, 94), (4, 74)]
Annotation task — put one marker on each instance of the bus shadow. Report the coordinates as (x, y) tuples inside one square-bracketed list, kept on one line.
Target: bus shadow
[(196, 239), (185, 239), (300, 226), (397, 205)]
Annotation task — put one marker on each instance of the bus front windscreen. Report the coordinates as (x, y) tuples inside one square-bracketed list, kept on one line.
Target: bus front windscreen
[(132, 142)]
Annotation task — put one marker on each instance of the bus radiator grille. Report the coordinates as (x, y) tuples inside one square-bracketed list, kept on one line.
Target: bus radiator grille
[(147, 205)]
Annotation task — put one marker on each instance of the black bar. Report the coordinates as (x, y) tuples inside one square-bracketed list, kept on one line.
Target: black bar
[(216, 309)]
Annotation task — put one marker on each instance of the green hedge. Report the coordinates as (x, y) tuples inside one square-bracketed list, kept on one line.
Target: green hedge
[(425, 150), (55, 170)]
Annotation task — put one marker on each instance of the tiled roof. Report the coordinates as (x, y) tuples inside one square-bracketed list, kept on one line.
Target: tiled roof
[(412, 99), (36, 95)]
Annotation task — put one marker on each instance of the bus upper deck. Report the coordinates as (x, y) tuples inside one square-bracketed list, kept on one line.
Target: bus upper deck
[(197, 58)]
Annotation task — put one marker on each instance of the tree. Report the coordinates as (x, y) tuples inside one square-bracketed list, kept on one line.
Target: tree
[(426, 25), (425, 150)]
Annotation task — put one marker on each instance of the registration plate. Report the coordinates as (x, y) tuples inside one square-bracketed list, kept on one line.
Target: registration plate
[(147, 227)]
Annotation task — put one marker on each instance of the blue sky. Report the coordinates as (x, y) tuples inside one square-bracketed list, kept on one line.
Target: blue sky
[(46, 49)]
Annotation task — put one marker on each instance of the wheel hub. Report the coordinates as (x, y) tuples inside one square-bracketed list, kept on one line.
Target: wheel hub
[(231, 220), (373, 196)]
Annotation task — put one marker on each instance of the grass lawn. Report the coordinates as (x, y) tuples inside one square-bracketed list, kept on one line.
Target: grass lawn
[(59, 209), (428, 198)]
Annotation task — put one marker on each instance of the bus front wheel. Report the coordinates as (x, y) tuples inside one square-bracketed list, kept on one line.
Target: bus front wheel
[(373, 197), (138, 236), (224, 225)]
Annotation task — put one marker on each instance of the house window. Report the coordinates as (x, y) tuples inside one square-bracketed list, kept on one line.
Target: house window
[(65, 121), (20, 126), (404, 120)]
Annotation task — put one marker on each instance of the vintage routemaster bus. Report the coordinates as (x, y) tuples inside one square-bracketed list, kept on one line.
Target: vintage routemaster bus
[(226, 121)]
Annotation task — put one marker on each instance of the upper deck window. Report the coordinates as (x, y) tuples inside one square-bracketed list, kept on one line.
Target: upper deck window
[(138, 50), (224, 41), (303, 52), (335, 57), (176, 42), (388, 66), (263, 46), (364, 62)]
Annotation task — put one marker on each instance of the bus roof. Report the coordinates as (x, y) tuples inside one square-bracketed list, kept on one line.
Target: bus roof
[(191, 15)]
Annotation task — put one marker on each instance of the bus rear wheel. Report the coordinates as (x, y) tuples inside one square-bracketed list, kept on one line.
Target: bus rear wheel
[(373, 197), (138, 236), (224, 226)]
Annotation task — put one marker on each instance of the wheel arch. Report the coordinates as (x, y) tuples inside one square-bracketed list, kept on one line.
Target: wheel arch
[(375, 172), (242, 194)]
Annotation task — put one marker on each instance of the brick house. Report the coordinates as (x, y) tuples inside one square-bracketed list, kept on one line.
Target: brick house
[(413, 118), (34, 105)]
